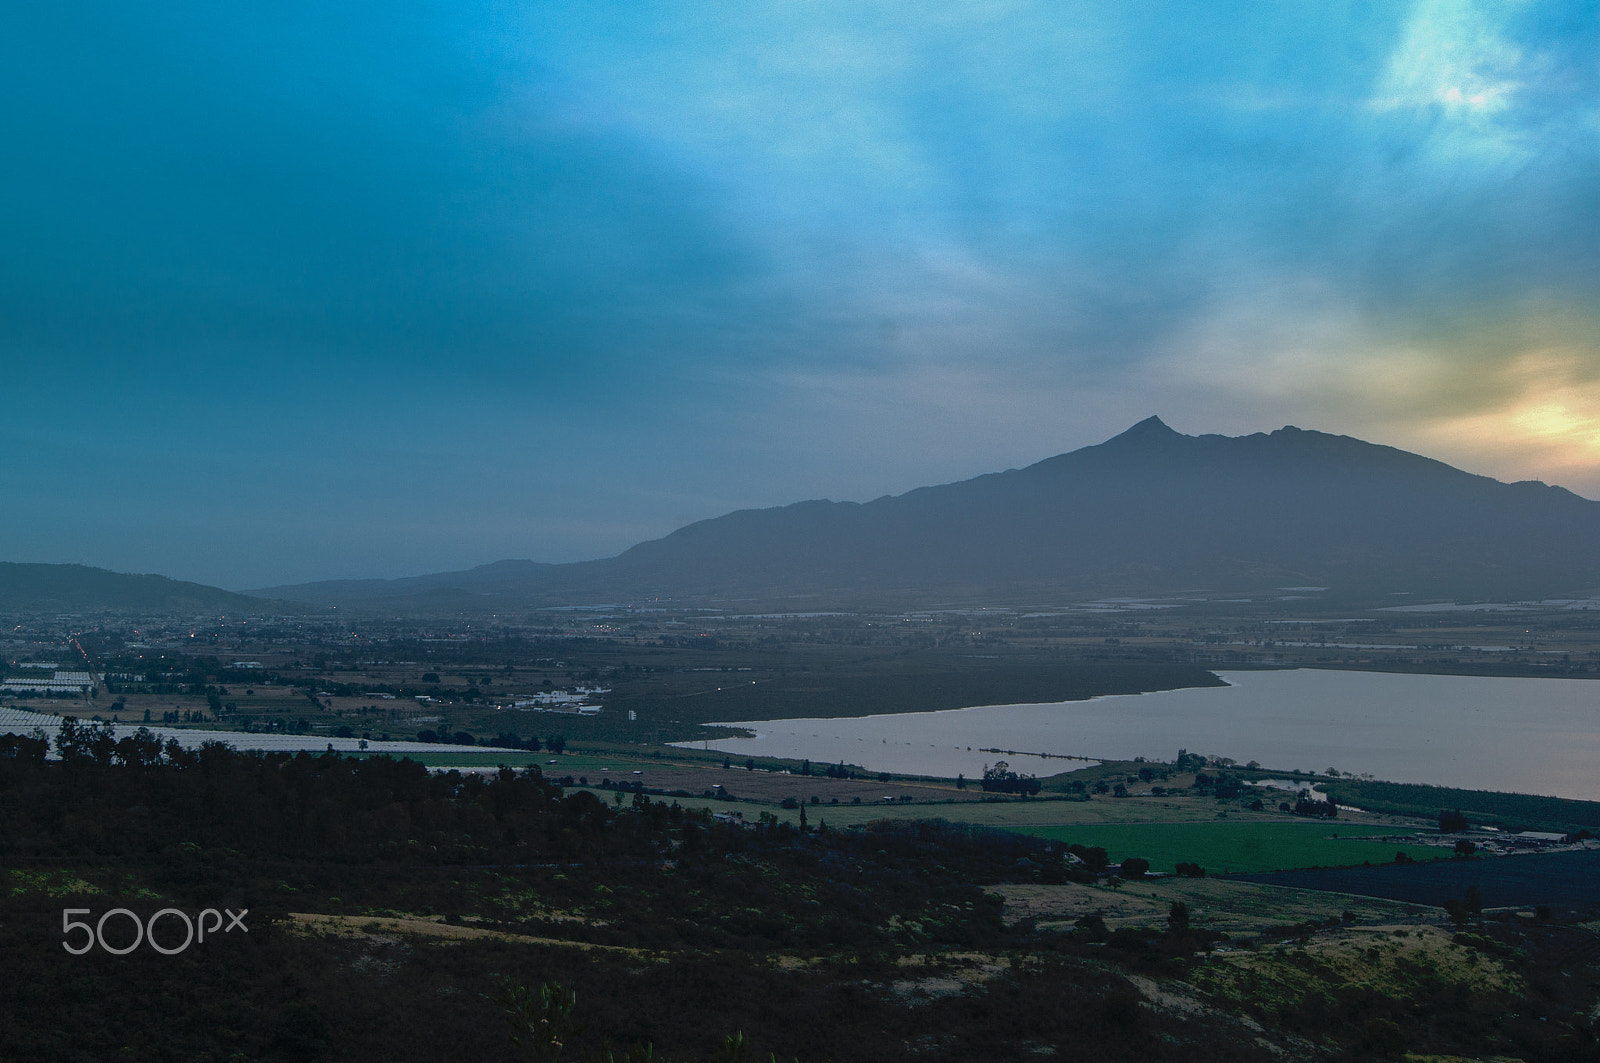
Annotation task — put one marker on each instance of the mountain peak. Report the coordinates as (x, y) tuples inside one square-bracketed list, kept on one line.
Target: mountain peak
[(1149, 430)]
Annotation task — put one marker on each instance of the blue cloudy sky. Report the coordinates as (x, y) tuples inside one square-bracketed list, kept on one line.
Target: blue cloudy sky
[(305, 290)]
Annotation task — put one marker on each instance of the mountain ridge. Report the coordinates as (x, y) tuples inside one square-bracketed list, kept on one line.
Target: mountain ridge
[(1148, 510), (32, 587)]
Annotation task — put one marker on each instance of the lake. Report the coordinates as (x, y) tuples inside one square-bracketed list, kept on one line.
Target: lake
[(1538, 736)]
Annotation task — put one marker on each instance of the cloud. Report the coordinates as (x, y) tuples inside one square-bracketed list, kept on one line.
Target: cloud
[(1484, 87), (1510, 389), (1453, 56), (1545, 425)]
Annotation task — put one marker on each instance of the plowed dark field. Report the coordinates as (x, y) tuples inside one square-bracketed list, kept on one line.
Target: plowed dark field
[(1565, 879)]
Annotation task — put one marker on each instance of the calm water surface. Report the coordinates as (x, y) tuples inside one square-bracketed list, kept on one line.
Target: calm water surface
[(1525, 735)]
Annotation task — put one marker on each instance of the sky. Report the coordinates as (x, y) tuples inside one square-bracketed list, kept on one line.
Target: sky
[(297, 291)]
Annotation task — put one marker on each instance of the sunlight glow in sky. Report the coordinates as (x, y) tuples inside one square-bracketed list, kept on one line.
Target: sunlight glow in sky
[(302, 291)]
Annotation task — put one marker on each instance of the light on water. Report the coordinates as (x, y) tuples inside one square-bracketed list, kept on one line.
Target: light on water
[(1525, 735)]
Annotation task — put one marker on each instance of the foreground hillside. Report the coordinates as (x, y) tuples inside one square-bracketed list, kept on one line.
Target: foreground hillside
[(398, 915)]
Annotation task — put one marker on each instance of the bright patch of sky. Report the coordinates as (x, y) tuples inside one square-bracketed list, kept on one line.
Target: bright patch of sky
[(316, 290)]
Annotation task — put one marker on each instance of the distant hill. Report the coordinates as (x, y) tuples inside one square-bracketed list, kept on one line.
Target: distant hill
[(82, 589), (442, 589), (1150, 511)]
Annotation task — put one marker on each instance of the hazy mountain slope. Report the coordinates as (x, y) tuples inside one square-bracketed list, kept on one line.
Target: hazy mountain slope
[(484, 579), (80, 588), (1148, 511)]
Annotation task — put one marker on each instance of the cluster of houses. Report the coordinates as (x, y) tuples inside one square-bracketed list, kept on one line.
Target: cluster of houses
[(579, 701)]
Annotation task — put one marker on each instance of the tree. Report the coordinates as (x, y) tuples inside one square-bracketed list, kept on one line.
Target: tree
[(1135, 867), (1094, 857), (19, 747), (140, 749), (79, 743), (1092, 927), (1001, 779), (1451, 821), (1178, 917), (1465, 848), (1306, 805)]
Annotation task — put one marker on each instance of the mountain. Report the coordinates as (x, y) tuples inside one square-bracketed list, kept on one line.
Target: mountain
[(1150, 511), (440, 588), (81, 589)]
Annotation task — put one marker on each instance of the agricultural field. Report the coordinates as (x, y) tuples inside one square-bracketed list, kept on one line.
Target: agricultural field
[(1222, 837), (1563, 878), (1236, 847)]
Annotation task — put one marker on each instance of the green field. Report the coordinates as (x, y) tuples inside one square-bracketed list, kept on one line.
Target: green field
[(1222, 848)]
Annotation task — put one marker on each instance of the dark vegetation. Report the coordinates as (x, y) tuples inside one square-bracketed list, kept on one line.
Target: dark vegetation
[(671, 690), (133, 824), (927, 683), (999, 779)]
